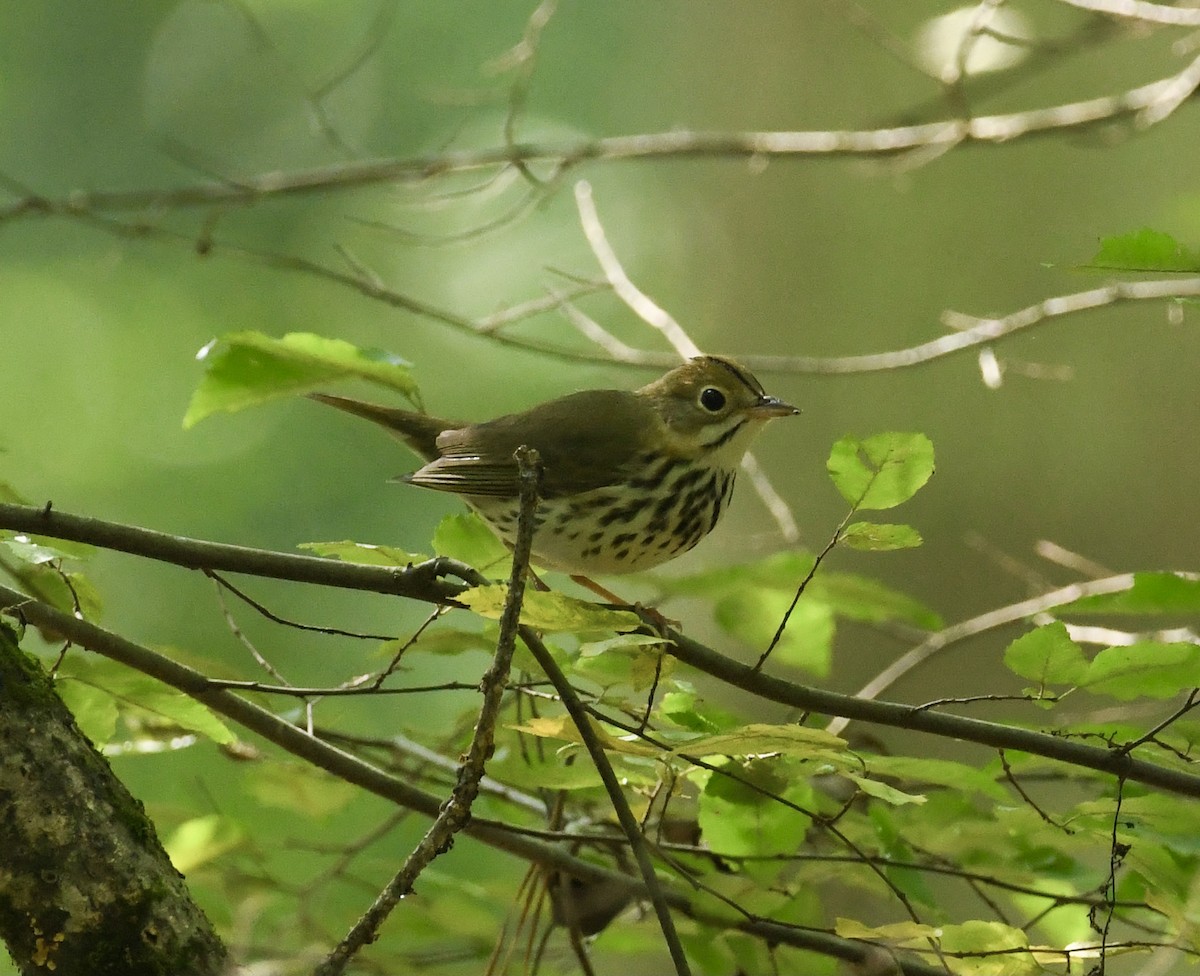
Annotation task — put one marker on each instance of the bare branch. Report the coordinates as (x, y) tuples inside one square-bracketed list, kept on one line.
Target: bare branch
[(642, 304), (1144, 105), (1151, 13), (936, 643), (612, 786)]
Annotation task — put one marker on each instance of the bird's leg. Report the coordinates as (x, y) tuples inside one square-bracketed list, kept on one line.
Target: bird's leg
[(657, 620)]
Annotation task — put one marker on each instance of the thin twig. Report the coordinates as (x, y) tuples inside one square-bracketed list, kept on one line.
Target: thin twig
[(803, 585), (287, 622), (1191, 702), (455, 813), (1012, 779), (612, 786), (642, 305)]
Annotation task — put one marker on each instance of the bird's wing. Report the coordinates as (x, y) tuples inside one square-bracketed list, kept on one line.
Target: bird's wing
[(586, 440)]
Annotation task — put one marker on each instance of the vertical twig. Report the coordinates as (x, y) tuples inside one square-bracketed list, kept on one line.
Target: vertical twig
[(456, 811)]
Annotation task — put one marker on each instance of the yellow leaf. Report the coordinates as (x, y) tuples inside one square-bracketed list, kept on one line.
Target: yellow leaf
[(562, 727), (549, 611), (759, 739)]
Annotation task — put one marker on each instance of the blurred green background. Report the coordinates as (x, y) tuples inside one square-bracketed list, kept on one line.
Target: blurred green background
[(805, 256)]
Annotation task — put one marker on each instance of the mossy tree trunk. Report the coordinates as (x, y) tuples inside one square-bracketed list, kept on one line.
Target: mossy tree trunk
[(85, 885)]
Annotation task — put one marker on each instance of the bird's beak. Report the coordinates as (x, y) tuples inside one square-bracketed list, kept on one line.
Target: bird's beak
[(769, 406)]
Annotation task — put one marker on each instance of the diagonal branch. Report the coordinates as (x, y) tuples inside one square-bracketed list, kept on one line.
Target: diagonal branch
[(354, 770), (690, 651)]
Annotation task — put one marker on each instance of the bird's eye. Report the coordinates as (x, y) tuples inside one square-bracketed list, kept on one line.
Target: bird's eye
[(712, 399)]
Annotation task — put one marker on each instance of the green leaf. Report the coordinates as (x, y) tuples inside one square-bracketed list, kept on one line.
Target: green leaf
[(198, 841), (622, 644), (1145, 250), (362, 552), (759, 739), (987, 949), (549, 611), (743, 816), (35, 562), (1168, 593), (138, 698), (754, 615), (936, 772), (882, 471), (95, 711), (894, 933), (563, 727), (684, 710), (627, 659), (780, 570), (1047, 655), (860, 598), (889, 794), (536, 772), (248, 368), (25, 549), (300, 788), (467, 538), (873, 537), (1064, 923), (1146, 668), (65, 591)]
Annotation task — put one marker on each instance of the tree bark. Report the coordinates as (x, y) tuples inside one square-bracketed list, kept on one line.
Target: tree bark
[(85, 885)]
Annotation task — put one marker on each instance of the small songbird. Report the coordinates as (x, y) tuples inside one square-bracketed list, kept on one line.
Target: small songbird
[(630, 479)]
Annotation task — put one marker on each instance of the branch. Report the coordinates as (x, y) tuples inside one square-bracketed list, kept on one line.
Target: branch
[(657, 317), (1143, 104), (368, 777), (612, 786), (692, 652), (421, 582), (1114, 762), (1150, 13), (645, 307), (935, 643), (455, 813)]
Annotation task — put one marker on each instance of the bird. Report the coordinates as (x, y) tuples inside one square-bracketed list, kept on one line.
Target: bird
[(630, 478)]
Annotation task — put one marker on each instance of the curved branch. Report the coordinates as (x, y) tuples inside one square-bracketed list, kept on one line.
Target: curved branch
[(1014, 612), (969, 331), (1149, 13)]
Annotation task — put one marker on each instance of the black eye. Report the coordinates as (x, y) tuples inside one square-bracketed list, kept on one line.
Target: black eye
[(712, 399)]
